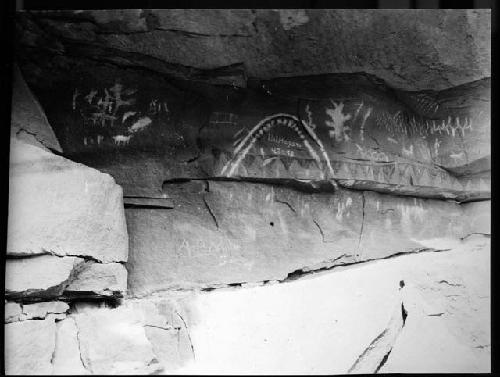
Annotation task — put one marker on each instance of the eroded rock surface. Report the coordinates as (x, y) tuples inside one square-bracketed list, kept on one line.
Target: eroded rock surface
[(43, 275), (448, 325), (29, 347), (430, 303), (13, 312), (67, 358), (43, 309), (352, 322), (47, 277), (229, 232), (114, 341), (59, 207)]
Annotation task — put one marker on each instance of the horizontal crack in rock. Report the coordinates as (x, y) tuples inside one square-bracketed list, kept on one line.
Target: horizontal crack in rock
[(21, 255), (292, 276), (163, 328)]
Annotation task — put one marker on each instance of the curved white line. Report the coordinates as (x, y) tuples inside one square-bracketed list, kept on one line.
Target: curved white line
[(250, 136), (318, 141)]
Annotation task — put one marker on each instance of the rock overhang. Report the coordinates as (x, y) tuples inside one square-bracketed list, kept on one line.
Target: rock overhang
[(410, 49)]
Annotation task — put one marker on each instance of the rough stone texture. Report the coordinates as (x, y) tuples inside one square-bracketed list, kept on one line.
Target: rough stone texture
[(27, 116), (398, 224), (61, 207), (229, 232), (66, 360), (40, 276), (42, 309), (104, 279), (340, 321), (113, 341), (238, 233), (423, 49), (13, 312), (48, 277), (164, 319), (29, 347), (480, 212), (448, 324), (264, 329), (172, 348)]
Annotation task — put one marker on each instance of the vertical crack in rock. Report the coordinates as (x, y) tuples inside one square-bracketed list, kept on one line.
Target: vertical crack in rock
[(375, 140), (55, 347), (404, 313), (211, 213), (384, 360), (78, 341), (362, 221), (188, 335), (373, 358), (287, 204), (321, 232)]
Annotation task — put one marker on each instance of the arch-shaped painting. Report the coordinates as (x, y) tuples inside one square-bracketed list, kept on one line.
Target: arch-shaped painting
[(304, 136)]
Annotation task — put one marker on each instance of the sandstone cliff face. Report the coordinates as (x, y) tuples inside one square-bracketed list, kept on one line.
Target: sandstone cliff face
[(213, 216)]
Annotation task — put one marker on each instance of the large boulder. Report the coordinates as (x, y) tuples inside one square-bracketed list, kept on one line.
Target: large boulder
[(60, 207)]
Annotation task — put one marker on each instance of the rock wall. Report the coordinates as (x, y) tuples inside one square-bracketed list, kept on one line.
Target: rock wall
[(204, 223), (354, 129), (67, 241)]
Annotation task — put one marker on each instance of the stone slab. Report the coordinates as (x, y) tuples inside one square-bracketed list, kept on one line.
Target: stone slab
[(58, 206)]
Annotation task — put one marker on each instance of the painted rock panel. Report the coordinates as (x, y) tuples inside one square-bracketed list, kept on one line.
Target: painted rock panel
[(351, 127)]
